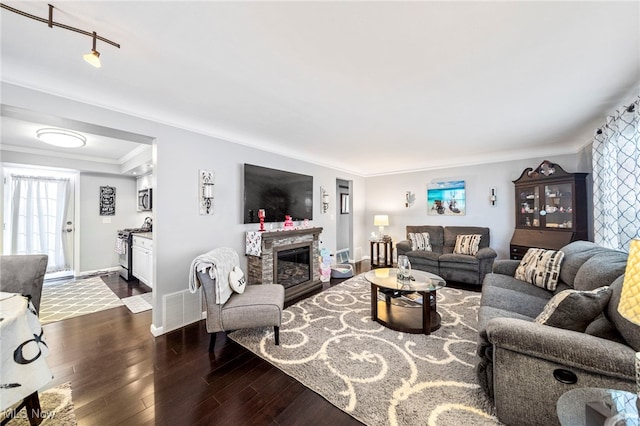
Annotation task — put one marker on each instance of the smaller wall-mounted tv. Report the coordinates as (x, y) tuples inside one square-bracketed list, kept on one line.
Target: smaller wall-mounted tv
[(278, 192)]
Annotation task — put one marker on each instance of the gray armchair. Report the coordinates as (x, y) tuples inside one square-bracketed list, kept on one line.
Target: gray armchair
[(24, 274), (259, 305)]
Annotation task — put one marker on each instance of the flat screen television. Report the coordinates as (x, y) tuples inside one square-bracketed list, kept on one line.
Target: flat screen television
[(278, 192)]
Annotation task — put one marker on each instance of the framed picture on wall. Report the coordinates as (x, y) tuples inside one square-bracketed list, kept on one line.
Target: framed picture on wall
[(107, 201), (344, 203), (446, 198)]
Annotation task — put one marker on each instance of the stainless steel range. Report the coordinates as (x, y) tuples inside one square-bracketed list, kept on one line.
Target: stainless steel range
[(125, 254)]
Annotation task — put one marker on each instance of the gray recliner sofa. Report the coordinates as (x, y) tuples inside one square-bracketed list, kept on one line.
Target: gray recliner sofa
[(442, 261), (525, 366)]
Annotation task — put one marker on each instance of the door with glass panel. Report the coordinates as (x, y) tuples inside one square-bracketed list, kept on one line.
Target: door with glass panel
[(39, 217)]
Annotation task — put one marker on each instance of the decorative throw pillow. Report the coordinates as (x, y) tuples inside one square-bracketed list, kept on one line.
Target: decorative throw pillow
[(574, 309), (420, 241), (467, 244), (540, 267), (236, 280)]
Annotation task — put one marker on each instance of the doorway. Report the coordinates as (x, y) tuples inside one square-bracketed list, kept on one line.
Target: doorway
[(344, 221), (39, 216)]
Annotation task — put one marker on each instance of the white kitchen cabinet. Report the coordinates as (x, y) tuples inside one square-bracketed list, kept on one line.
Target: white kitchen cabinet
[(142, 253)]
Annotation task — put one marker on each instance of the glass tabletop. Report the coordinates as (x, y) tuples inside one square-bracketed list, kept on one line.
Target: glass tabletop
[(420, 280)]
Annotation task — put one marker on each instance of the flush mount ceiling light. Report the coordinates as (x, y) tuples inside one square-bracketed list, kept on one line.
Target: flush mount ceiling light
[(61, 137), (93, 57)]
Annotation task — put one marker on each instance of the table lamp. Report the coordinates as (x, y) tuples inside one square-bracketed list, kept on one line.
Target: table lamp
[(381, 220), (629, 306)]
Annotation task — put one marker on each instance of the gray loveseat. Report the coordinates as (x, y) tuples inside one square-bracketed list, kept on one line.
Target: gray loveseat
[(525, 366), (442, 261)]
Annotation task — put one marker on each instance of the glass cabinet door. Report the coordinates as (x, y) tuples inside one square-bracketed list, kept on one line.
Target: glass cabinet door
[(558, 205), (529, 207)]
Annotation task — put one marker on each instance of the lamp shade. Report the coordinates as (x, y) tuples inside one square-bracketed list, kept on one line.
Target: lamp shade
[(381, 220), (629, 306)]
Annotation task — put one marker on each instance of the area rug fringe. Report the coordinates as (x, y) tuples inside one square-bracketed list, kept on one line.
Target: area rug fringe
[(379, 376)]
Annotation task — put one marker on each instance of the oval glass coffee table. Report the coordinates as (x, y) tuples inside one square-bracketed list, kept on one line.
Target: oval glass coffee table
[(411, 315)]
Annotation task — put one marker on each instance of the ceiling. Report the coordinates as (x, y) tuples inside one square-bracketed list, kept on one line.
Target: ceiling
[(129, 152), (366, 87)]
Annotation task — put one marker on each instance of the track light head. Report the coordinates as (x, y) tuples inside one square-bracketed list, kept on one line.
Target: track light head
[(93, 58)]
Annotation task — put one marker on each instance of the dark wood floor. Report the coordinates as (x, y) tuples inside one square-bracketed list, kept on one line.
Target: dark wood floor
[(123, 288), (121, 374)]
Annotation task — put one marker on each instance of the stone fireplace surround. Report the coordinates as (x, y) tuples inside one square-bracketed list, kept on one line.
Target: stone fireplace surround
[(262, 269)]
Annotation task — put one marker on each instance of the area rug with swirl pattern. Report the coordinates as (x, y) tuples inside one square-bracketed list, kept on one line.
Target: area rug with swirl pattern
[(329, 343)]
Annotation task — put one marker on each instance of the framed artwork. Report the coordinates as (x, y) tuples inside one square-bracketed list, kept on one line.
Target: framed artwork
[(107, 201), (446, 198), (344, 203)]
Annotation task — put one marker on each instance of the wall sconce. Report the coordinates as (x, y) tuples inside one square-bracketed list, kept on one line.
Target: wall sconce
[(409, 198), (206, 192), (492, 197), (324, 198)]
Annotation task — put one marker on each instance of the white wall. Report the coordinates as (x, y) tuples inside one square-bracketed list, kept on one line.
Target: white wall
[(180, 233), (385, 195), (97, 238)]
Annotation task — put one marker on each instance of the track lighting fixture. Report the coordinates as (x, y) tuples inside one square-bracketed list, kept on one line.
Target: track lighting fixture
[(93, 57)]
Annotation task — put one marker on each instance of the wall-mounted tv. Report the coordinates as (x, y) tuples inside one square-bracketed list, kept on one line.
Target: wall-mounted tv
[(278, 192)]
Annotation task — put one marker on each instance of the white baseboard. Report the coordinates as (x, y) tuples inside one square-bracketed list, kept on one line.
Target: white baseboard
[(97, 272), (156, 331)]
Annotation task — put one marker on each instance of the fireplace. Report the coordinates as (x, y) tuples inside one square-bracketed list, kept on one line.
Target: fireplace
[(290, 258), (292, 265)]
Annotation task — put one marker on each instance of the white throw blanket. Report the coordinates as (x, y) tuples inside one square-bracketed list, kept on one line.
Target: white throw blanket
[(220, 262)]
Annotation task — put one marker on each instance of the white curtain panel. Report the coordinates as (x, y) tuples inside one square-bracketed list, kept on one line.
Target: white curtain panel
[(616, 179), (38, 211)]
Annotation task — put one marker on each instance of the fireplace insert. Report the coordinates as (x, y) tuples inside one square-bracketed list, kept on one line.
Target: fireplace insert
[(293, 266)]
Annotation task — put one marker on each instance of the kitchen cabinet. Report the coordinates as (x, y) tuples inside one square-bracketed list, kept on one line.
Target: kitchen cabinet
[(551, 209), (142, 259)]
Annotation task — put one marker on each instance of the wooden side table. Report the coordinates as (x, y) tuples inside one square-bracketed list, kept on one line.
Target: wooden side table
[(381, 254)]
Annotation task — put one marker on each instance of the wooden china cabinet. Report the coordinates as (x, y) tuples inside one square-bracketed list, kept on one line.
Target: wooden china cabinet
[(551, 209)]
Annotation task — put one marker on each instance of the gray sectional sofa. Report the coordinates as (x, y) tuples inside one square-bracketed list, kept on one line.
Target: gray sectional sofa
[(442, 261), (525, 366)]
